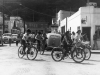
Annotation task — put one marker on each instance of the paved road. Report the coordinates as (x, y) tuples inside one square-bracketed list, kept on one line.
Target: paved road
[(10, 64)]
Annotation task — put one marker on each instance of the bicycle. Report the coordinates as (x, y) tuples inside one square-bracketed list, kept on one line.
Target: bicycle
[(76, 53), (30, 51), (87, 49)]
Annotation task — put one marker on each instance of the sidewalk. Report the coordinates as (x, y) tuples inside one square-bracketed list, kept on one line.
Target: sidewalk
[(95, 51)]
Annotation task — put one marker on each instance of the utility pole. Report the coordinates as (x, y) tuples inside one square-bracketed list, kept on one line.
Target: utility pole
[(70, 11), (33, 16), (3, 18)]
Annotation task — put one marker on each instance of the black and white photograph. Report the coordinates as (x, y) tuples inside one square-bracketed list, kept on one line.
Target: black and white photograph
[(49, 37)]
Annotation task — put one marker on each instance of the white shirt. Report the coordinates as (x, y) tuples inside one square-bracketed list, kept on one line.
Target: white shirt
[(33, 35), (72, 37), (25, 36), (78, 38)]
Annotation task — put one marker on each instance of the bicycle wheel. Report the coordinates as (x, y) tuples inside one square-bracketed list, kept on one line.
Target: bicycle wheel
[(78, 55), (32, 53), (88, 53), (20, 52), (57, 54)]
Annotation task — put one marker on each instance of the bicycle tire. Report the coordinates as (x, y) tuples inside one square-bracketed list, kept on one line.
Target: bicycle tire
[(22, 52), (87, 52), (52, 54), (30, 52), (82, 53)]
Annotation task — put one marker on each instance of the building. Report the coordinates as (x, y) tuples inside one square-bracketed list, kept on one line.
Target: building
[(6, 26), (37, 26), (87, 19), (62, 20), (16, 25)]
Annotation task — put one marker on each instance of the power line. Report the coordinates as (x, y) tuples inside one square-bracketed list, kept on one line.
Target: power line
[(37, 11), (7, 9)]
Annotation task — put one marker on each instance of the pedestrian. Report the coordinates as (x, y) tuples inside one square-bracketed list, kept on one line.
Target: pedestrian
[(17, 40), (10, 40), (95, 45)]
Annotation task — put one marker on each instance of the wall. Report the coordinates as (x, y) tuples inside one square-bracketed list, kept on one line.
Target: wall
[(62, 15), (91, 16), (63, 23), (37, 26), (96, 22), (74, 21)]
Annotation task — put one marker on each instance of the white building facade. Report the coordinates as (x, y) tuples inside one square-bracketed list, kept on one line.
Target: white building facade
[(62, 20), (87, 19)]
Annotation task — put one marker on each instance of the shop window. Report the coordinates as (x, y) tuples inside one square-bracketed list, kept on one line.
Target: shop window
[(78, 28), (98, 31)]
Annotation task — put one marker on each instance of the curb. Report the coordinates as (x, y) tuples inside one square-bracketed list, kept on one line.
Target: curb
[(95, 51)]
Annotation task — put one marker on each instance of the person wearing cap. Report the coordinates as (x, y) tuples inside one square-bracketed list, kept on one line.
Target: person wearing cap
[(26, 37)]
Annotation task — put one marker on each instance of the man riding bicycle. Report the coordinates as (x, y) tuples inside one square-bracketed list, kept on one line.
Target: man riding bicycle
[(66, 42), (26, 38)]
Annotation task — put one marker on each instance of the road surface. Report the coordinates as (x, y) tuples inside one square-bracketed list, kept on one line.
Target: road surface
[(11, 64)]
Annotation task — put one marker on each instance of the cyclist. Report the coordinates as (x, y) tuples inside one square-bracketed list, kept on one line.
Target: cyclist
[(66, 42), (78, 37), (26, 38), (39, 39)]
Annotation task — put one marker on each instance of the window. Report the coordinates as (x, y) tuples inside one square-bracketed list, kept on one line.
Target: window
[(98, 31)]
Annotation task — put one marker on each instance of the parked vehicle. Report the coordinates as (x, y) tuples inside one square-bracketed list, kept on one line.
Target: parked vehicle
[(14, 37), (6, 37)]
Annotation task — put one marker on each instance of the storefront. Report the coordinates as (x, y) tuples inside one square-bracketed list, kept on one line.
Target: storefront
[(87, 19)]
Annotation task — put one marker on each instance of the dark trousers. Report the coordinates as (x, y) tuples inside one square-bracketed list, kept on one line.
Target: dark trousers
[(24, 45), (10, 41), (17, 41), (66, 48), (38, 44)]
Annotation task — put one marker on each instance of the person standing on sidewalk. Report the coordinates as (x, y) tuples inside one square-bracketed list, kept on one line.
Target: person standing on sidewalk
[(95, 45), (10, 40), (17, 40)]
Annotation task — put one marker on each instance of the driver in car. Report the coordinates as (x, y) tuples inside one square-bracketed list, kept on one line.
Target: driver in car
[(26, 38)]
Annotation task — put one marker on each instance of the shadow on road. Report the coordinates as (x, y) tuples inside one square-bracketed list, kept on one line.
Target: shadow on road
[(47, 54), (35, 60), (40, 60), (94, 60), (3, 45), (80, 63)]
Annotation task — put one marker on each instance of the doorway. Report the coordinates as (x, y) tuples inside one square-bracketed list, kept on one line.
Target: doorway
[(63, 29), (87, 31)]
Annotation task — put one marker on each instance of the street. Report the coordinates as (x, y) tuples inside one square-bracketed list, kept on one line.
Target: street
[(11, 64)]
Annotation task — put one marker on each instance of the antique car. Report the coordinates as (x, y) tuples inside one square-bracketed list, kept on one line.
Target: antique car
[(6, 37), (53, 40)]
